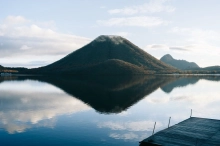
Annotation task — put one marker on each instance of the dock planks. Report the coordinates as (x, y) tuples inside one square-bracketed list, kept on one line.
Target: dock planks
[(191, 132)]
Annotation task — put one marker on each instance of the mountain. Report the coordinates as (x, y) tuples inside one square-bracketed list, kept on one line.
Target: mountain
[(108, 55), (9, 70), (179, 64), (205, 70), (209, 68), (16, 69), (1, 68)]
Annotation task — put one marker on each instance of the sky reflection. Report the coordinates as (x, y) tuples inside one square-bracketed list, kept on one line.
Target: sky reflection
[(29, 104), (61, 105)]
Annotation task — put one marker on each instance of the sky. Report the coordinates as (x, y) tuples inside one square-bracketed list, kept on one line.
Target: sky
[(37, 33)]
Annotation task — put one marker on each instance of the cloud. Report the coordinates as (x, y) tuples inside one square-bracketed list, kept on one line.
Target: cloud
[(25, 47), (202, 42), (130, 136), (33, 103), (129, 126), (126, 136), (130, 130), (154, 6), (157, 46), (23, 38), (199, 45), (12, 20), (178, 48), (140, 21), (196, 35)]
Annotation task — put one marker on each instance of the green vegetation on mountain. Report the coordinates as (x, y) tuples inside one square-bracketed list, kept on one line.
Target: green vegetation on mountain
[(179, 64), (108, 55)]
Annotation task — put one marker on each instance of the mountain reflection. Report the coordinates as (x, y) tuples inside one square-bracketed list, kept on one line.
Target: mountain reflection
[(106, 94), (183, 81), (27, 102), (109, 94)]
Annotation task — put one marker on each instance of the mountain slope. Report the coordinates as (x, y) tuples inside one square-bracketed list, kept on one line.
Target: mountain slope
[(180, 64), (106, 48), (1, 67), (112, 66)]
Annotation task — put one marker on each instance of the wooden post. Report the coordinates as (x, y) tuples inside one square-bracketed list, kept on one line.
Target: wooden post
[(154, 128), (191, 113), (169, 123)]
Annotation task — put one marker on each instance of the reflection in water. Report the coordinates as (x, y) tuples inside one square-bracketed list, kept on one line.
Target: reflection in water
[(29, 104), (202, 97), (130, 126), (182, 81), (114, 94), (130, 105), (129, 130), (109, 94)]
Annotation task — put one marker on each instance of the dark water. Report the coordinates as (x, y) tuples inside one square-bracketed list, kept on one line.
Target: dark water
[(95, 111)]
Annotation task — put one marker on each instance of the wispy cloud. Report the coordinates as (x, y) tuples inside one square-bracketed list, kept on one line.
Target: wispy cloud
[(140, 21), (197, 35), (21, 37), (199, 40), (154, 6), (179, 48), (130, 126), (157, 46), (126, 136), (130, 130)]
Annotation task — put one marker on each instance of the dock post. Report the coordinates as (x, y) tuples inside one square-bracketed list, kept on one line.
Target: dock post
[(154, 128), (191, 113), (169, 123)]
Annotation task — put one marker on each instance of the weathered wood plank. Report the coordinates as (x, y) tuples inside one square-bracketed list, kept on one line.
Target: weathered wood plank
[(190, 132)]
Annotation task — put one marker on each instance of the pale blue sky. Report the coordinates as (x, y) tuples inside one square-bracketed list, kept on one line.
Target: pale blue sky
[(36, 33)]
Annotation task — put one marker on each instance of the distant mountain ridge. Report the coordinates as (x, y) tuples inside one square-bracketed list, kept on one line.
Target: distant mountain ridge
[(108, 55), (205, 70), (179, 64)]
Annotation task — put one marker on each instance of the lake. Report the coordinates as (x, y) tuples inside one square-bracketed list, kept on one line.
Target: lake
[(91, 111)]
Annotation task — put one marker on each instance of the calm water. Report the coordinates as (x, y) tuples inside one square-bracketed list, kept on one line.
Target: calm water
[(100, 110)]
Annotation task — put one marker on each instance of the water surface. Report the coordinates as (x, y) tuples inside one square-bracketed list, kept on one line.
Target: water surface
[(100, 110)]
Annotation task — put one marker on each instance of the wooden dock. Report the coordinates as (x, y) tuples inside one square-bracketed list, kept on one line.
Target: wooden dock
[(191, 132)]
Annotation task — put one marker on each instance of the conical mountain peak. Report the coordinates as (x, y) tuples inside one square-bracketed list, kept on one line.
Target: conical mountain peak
[(109, 38), (108, 54)]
